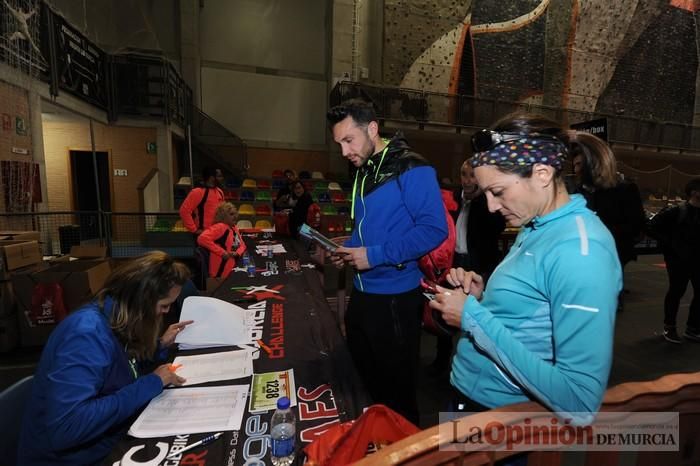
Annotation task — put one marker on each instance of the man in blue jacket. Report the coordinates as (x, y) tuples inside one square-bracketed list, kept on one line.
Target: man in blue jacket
[(398, 213)]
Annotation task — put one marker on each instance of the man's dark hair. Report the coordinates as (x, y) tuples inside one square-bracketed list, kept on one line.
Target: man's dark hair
[(208, 172), (693, 185), (361, 111)]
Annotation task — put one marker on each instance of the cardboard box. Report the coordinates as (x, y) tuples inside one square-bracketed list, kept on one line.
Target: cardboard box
[(82, 252), (79, 280), (17, 254), (19, 235)]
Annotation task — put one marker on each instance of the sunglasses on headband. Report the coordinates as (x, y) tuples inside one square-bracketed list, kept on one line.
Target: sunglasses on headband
[(487, 139)]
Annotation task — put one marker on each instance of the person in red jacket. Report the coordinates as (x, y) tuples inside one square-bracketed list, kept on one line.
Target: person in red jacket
[(197, 210), (223, 241)]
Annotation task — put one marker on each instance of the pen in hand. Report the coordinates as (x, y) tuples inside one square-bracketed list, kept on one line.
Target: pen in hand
[(205, 441)]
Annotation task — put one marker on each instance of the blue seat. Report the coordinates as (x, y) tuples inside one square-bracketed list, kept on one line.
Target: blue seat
[(12, 404), (247, 195)]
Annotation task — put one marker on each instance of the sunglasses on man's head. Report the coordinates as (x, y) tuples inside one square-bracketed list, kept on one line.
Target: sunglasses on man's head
[(487, 139)]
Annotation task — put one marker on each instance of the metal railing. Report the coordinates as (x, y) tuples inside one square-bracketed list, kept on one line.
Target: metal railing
[(468, 111), (125, 234)]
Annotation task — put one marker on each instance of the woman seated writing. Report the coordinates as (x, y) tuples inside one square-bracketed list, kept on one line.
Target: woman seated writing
[(87, 387), (223, 241)]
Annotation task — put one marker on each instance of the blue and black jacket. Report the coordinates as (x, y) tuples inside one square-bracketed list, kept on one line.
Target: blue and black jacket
[(398, 215)]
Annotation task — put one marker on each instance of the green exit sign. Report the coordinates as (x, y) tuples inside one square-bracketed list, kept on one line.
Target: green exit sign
[(151, 147)]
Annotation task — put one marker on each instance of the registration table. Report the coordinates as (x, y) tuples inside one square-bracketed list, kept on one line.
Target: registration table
[(293, 320)]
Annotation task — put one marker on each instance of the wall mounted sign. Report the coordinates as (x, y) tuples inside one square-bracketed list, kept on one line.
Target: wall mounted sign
[(151, 147), (598, 127), (20, 126), (20, 150)]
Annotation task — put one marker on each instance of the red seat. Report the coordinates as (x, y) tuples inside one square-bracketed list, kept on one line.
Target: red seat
[(277, 174), (264, 184), (263, 210)]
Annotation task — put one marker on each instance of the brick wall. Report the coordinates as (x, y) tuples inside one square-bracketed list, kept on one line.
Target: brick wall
[(14, 103), (126, 148)]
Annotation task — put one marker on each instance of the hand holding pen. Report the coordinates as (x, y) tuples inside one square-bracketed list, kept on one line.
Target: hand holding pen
[(167, 374), (205, 441)]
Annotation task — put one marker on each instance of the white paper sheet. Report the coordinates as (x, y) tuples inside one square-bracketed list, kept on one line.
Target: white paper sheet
[(276, 248), (211, 367), (192, 411), (216, 323)]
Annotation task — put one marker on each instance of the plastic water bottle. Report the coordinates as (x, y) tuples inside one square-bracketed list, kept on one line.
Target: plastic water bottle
[(251, 267), (283, 434), (246, 259)]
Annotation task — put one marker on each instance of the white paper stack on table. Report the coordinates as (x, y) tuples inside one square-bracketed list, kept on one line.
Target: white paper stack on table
[(276, 248), (211, 367), (216, 323)]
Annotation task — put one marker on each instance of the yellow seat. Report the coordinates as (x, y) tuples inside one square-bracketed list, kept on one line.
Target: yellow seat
[(244, 224), (316, 175), (249, 183), (334, 186), (246, 209), (263, 224)]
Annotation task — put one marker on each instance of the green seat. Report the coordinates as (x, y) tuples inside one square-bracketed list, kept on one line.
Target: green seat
[(263, 196), (328, 209)]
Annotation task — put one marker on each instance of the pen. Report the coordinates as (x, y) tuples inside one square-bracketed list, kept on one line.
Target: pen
[(265, 347), (204, 441), (174, 367)]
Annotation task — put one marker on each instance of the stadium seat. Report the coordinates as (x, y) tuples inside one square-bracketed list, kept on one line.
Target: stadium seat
[(343, 210), (247, 195), (249, 183), (232, 194), (328, 209), (263, 196), (338, 196), (264, 184), (244, 224), (263, 210), (304, 175), (334, 186), (277, 174), (316, 175), (323, 197), (278, 184), (263, 224), (246, 209)]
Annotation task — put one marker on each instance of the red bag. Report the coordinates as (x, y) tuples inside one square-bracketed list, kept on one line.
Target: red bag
[(47, 305), (350, 441), (436, 264), (282, 223), (313, 216)]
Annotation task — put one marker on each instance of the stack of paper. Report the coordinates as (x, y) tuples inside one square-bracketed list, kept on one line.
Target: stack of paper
[(226, 365), (276, 249), (216, 323), (191, 411)]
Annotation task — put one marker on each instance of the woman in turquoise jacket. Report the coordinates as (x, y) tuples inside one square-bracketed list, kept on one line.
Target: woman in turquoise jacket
[(543, 329)]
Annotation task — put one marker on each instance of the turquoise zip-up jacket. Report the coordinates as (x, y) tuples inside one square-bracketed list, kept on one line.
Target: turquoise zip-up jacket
[(399, 217), (545, 325)]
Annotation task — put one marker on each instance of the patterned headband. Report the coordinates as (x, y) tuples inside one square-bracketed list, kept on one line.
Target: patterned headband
[(524, 151)]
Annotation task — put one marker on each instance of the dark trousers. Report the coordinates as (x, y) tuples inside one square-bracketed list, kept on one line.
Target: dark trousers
[(680, 272), (383, 335)]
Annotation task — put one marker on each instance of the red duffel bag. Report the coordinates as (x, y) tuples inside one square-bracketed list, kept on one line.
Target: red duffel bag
[(350, 441)]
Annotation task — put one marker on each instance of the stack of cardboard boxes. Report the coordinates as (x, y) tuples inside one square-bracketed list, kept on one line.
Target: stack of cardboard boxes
[(36, 294)]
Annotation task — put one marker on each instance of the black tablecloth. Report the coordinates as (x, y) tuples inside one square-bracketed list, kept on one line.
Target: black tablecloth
[(298, 326)]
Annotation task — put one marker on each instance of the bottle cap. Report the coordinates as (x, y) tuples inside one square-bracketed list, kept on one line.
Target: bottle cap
[(283, 403)]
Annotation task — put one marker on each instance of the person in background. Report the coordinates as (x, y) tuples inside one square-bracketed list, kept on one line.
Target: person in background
[(284, 195), (197, 210), (300, 201), (399, 217), (87, 386), (528, 335), (223, 241), (478, 233), (677, 229), (616, 201)]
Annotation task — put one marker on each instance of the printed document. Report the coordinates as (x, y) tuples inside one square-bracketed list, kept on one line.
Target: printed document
[(216, 323), (226, 365), (192, 410)]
